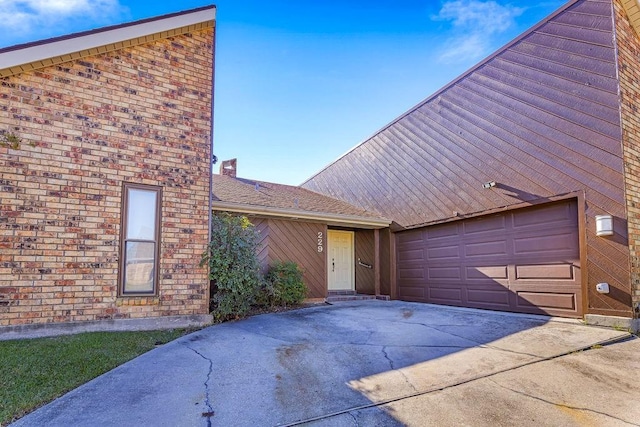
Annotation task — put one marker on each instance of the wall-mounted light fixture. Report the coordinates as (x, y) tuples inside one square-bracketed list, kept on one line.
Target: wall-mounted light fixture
[(489, 184), (604, 225)]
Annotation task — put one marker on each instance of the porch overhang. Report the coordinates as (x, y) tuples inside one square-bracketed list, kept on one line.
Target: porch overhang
[(331, 219)]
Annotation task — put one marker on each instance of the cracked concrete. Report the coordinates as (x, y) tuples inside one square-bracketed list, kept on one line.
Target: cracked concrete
[(386, 356), (209, 412), (368, 363)]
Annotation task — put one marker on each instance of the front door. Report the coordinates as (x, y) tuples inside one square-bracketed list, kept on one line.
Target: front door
[(340, 261)]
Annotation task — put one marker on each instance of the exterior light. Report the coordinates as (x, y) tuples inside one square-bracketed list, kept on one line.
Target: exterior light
[(489, 184), (604, 225)]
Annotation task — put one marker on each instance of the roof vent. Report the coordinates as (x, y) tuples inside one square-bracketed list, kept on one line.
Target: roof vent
[(229, 167)]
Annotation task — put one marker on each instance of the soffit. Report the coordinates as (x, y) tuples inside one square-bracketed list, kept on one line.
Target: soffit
[(28, 57), (632, 7)]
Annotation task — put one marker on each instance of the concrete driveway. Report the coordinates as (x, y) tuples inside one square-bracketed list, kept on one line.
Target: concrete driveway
[(369, 363)]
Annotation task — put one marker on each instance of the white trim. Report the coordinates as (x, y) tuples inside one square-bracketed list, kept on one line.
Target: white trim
[(99, 38), (352, 257), (330, 218)]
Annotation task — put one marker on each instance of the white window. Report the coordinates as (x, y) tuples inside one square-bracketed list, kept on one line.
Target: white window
[(140, 239)]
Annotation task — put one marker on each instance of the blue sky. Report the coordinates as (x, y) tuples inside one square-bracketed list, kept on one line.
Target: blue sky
[(299, 83)]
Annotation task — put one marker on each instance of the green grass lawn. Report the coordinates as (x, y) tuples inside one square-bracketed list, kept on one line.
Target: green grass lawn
[(36, 371)]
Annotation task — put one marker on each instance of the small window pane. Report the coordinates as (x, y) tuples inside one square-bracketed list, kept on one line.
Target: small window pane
[(141, 214), (139, 262)]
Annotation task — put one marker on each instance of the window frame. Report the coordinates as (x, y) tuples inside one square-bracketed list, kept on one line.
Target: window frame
[(126, 187)]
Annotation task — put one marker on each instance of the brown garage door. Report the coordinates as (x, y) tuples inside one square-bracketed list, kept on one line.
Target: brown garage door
[(526, 260)]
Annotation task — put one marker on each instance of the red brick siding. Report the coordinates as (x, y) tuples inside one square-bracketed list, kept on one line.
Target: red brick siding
[(628, 43), (141, 114)]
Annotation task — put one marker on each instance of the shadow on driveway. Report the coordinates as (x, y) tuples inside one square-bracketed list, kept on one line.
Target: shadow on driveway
[(345, 364)]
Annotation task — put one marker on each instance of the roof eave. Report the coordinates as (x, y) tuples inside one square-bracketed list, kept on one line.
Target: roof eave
[(297, 214), (632, 7), (63, 49)]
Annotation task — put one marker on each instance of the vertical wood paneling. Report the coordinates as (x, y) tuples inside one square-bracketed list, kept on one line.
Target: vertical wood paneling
[(365, 252), (540, 117)]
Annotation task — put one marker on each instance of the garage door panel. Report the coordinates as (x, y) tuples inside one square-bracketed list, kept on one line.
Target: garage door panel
[(442, 232), (548, 272), (492, 224), (444, 273), (490, 248), (445, 295), (413, 292), (411, 237), (486, 272), (559, 286), (563, 214), (525, 260), (494, 297), (412, 255), (444, 252), (561, 242), (411, 273), (547, 301)]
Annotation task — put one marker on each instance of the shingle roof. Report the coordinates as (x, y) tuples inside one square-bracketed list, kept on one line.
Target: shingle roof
[(279, 196)]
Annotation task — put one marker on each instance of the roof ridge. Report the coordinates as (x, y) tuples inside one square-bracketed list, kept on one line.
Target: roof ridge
[(340, 202)]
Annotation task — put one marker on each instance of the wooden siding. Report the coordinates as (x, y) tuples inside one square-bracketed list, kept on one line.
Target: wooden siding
[(364, 252), (540, 117), (385, 261), (262, 227), (283, 240)]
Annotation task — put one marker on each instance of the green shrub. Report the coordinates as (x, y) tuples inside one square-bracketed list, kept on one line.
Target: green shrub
[(233, 266), (284, 284)]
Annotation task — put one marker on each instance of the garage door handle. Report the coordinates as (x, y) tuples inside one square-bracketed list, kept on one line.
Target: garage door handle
[(333, 264)]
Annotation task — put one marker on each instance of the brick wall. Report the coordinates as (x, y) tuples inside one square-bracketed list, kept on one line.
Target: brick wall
[(629, 72), (142, 115)]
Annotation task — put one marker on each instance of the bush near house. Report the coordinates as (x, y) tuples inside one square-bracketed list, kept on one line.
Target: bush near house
[(237, 287), (234, 269), (284, 284)]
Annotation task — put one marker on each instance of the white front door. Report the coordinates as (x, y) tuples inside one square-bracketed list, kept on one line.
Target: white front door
[(340, 260)]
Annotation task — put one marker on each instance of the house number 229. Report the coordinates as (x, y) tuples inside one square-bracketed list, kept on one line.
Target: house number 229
[(320, 248)]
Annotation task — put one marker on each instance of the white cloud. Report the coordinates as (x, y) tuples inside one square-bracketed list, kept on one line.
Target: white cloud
[(471, 46), (33, 19), (475, 23)]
